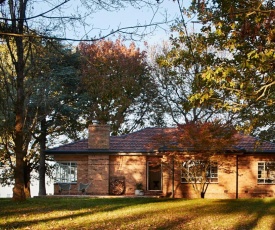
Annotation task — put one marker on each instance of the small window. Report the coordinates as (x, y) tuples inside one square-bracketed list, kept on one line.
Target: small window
[(266, 172), (66, 172), (194, 171)]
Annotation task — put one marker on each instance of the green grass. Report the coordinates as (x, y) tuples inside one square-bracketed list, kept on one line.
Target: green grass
[(137, 213)]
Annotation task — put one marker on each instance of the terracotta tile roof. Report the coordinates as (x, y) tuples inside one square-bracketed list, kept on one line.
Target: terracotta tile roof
[(252, 144), (145, 141)]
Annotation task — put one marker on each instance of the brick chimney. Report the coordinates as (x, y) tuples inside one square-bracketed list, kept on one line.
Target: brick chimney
[(99, 136)]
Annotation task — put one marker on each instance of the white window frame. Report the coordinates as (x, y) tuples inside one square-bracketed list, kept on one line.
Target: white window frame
[(266, 174), (212, 173), (66, 172)]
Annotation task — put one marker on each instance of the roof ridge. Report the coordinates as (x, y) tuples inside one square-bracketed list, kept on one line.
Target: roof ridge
[(71, 143), (139, 131)]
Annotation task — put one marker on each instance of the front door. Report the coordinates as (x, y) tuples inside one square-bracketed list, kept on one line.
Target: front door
[(154, 176)]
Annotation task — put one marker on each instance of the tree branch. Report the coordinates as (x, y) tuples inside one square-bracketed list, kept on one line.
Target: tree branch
[(119, 30), (36, 16)]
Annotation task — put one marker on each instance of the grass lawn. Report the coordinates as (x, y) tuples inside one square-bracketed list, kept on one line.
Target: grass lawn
[(137, 213)]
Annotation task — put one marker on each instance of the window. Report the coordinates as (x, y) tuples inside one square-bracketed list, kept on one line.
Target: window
[(194, 171), (66, 172), (266, 172)]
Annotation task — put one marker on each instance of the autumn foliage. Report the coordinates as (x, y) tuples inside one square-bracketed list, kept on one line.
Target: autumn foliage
[(206, 136), (113, 76), (108, 60), (198, 137)]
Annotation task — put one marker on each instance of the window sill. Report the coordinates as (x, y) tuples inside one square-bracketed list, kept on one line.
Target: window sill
[(56, 183), (266, 183), (198, 182)]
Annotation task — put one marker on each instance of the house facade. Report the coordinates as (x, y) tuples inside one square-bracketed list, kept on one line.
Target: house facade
[(113, 165)]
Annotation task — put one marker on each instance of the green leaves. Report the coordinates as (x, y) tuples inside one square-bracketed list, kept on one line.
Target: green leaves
[(244, 77)]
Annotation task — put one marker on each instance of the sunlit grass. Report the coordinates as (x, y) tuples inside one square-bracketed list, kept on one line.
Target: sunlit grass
[(137, 213)]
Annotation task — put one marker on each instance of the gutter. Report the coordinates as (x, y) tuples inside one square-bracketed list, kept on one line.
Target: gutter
[(100, 151)]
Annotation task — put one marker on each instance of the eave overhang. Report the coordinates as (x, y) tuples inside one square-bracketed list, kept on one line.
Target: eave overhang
[(161, 151), (101, 151)]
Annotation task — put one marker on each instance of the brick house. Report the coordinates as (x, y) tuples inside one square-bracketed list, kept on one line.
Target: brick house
[(115, 164)]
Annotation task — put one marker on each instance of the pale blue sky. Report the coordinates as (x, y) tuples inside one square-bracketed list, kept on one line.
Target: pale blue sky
[(104, 21), (130, 17)]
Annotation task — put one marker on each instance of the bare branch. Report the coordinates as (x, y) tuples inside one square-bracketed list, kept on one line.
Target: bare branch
[(122, 30), (36, 16)]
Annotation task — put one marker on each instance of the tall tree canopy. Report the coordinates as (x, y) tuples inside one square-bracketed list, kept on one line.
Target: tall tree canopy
[(49, 91), (177, 70), (245, 30), (115, 83)]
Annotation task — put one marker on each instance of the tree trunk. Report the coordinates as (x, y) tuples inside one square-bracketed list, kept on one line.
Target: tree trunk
[(18, 61), (202, 195), (42, 174), (19, 172), (42, 160), (18, 190), (27, 189), (27, 180), (204, 189)]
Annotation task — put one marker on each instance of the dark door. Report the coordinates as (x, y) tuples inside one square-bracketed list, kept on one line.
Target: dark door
[(154, 176)]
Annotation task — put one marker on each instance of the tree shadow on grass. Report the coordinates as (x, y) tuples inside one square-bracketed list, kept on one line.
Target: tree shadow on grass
[(251, 211), (167, 214), (248, 214), (43, 206)]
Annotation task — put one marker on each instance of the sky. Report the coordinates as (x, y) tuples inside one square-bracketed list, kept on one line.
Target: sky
[(131, 17), (101, 22)]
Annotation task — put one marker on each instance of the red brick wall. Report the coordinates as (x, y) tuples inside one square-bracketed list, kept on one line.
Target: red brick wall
[(248, 174), (98, 174), (133, 168), (97, 169), (225, 188), (99, 136)]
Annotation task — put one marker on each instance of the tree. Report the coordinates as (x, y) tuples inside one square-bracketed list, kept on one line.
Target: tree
[(54, 97), (115, 81), (177, 71), (206, 141), (49, 91), (18, 36), (196, 150), (245, 30)]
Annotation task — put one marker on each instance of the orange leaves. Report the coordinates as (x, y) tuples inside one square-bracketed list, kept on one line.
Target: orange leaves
[(111, 53), (113, 76), (206, 136), (110, 61), (197, 137)]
